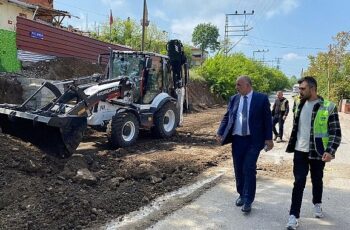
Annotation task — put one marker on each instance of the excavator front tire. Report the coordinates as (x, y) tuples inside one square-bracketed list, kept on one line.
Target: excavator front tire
[(123, 129)]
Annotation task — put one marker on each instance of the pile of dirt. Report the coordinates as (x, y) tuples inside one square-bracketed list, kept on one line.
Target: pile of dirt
[(61, 68), (96, 184), (10, 89), (200, 97)]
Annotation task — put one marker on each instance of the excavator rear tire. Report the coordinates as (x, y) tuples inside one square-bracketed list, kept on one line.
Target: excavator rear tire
[(123, 130)]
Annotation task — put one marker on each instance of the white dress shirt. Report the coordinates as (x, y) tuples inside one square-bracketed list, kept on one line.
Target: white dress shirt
[(238, 123)]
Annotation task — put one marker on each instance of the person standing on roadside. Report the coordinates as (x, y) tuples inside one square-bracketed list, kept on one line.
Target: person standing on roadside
[(280, 110), (296, 99), (247, 125), (315, 137)]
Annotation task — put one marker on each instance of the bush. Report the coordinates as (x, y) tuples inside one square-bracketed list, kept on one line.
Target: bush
[(222, 71)]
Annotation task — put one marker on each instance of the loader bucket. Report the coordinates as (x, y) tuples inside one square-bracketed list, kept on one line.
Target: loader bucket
[(56, 135)]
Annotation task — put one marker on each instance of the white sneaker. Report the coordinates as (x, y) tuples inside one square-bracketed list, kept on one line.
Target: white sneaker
[(293, 223), (318, 211)]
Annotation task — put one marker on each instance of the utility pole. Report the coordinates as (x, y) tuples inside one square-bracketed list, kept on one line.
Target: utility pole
[(87, 22), (328, 71), (144, 23), (278, 62), (236, 30), (260, 51)]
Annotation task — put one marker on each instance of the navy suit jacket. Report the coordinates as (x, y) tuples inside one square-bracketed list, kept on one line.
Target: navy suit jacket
[(260, 120)]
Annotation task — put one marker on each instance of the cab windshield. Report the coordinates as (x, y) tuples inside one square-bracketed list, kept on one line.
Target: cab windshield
[(127, 65)]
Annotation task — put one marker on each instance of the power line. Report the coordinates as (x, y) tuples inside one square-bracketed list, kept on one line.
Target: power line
[(82, 9), (284, 47), (236, 30), (260, 51), (287, 45)]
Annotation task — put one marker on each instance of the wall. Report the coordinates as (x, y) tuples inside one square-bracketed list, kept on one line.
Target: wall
[(44, 39), (8, 15), (8, 52)]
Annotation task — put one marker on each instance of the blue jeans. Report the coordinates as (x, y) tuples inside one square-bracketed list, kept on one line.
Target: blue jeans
[(301, 167), (245, 156)]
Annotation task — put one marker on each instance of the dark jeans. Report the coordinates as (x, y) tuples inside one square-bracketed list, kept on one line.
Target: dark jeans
[(280, 121), (301, 167), (245, 156)]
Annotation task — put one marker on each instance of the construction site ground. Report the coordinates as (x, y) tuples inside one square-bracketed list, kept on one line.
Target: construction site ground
[(98, 185), (38, 191)]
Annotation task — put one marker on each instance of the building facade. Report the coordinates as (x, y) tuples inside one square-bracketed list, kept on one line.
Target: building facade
[(9, 12), (197, 57)]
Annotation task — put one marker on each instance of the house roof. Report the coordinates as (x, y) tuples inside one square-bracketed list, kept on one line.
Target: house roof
[(41, 10)]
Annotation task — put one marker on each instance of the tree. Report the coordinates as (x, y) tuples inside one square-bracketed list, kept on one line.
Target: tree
[(129, 32), (222, 71), (293, 80), (332, 69), (205, 35)]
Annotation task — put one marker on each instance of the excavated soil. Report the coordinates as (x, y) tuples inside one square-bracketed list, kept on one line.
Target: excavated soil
[(10, 89), (61, 68), (97, 184)]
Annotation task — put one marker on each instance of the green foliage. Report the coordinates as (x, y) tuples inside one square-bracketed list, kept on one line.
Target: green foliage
[(125, 32), (206, 36), (293, 80), (222, 71), (332, 69), (188, 53), (8, 52), (194, 76), (129, 32)]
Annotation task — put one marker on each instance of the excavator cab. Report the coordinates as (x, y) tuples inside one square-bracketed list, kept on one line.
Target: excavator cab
[(149, 73)]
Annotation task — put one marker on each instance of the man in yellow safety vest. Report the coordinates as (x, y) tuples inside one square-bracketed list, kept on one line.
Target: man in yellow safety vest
[(280, 110), (315, 137)]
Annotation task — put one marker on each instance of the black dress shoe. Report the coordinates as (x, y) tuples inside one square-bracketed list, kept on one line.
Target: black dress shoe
[(239, 202), (246, 208)]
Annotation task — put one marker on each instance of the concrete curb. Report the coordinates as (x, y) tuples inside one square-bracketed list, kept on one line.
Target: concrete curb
[(168, 203)]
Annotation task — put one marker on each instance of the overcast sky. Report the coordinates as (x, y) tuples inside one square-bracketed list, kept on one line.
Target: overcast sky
[(289, 29)]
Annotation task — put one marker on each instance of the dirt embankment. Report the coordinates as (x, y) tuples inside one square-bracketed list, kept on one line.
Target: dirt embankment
[(10, 90), (61, 69), (96, 184), (67, 68), (41, 192)]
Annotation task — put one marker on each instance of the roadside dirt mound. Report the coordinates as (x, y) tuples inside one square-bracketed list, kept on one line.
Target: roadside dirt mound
[(199, 94), (61, 68), (97, 184), (10, 89), (200, 97)]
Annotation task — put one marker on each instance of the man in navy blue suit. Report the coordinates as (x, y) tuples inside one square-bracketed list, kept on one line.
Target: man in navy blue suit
[(247, 124)]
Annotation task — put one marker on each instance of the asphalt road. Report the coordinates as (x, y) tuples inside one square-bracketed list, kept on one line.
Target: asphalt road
[(209, 203), (215, 208)]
